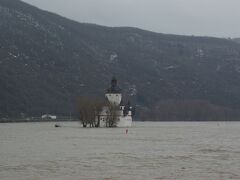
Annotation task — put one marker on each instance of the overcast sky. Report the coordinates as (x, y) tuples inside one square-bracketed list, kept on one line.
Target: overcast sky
[(219, 18)]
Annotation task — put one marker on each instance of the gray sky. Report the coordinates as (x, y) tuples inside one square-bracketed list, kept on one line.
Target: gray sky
[(219, 18)]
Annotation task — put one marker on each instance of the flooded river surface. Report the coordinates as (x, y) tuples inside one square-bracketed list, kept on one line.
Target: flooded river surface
[(161, 150)]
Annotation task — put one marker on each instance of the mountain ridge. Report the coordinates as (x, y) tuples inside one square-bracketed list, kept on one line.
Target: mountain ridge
[(47, 61)]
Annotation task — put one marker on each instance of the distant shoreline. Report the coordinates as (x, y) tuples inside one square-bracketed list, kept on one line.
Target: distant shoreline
[(75, 120), (36, 120)]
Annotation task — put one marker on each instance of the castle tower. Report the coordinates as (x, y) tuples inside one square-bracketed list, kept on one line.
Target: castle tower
[(113, 93)]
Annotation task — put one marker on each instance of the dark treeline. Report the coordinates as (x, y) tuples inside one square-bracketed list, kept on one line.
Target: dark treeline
[(188, 110)]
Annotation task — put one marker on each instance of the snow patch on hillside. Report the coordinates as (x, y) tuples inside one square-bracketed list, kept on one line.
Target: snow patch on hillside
[(113, 58), (200, 52), (171, 67), (133, 90)]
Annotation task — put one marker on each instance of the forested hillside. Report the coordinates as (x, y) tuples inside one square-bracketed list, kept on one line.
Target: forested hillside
[(47, 61)]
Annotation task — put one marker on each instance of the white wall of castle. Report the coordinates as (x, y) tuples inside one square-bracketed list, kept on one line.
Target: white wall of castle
[(123, 121), (114, 98)]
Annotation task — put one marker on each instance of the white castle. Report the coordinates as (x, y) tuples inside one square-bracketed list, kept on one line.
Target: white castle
[(123, 112)]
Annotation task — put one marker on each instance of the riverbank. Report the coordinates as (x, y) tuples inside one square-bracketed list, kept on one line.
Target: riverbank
[(25, 120)]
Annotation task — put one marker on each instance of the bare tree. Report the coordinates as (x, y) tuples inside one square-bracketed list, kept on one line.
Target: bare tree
[(98, 107), (89, 108), (112, 115)]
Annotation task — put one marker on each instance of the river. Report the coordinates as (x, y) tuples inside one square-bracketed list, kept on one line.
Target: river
[(150, 150)]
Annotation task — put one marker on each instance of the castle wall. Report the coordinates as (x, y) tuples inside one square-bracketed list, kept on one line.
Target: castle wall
[(114, 98)]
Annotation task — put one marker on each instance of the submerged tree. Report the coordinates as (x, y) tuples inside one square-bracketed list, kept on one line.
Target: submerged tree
[(89, 108), (98, 107), (112, 115)]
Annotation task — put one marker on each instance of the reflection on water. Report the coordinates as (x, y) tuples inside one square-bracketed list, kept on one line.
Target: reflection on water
[(174, 150)]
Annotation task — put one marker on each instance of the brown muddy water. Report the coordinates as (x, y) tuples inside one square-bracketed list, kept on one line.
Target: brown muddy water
[(161, 150)]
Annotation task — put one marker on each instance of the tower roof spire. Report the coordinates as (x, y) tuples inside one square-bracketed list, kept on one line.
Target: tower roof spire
[(114, 87)]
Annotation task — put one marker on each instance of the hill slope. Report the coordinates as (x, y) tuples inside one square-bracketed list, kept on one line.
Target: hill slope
[(236, 40), (46, 61)]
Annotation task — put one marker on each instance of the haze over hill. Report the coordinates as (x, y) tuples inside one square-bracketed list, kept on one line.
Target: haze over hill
[(186, 17), (47, 61)]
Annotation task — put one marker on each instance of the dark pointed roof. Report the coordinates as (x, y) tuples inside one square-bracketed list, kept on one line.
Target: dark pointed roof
[(122, 103), (114, 88)]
